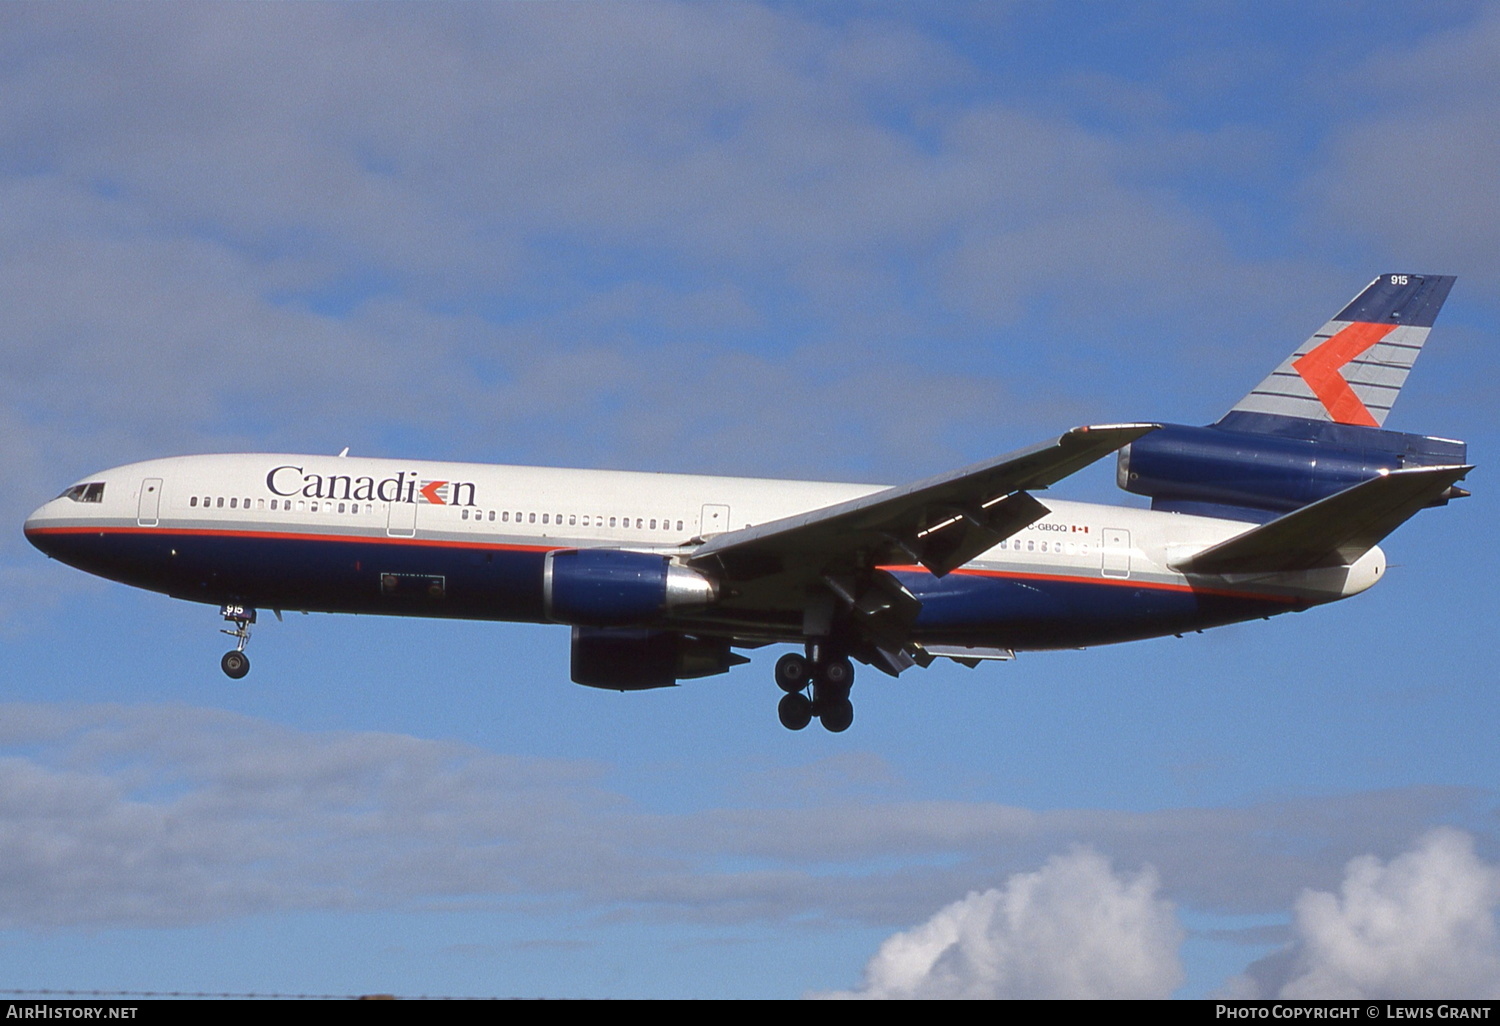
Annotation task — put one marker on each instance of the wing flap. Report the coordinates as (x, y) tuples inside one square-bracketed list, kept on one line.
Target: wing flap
[(1334, 531), (962, 536), (969, 655)]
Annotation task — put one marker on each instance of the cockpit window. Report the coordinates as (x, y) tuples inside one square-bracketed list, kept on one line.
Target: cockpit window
[(91, 492)]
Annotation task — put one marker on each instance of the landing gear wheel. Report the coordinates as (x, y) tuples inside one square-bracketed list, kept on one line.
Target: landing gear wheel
[(838, 716), (235, 664), (796, 711), (792, 674), (838, 673)]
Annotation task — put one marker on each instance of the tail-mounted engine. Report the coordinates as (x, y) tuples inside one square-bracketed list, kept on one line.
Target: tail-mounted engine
[(1251, 464)]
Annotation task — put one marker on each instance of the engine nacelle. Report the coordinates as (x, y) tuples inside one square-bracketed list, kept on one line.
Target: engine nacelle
[(621, 659), (614, 588), (1268, 463)]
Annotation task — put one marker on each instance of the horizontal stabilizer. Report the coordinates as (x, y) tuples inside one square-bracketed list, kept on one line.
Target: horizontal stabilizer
[(1334, 531)]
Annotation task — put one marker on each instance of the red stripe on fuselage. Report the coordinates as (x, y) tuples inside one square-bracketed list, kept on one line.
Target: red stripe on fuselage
[(1114, 582)]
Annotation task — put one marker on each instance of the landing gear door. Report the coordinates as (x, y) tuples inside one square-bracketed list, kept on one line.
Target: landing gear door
[(149, 512), (401, 521), (715, 521), (1116, 558)]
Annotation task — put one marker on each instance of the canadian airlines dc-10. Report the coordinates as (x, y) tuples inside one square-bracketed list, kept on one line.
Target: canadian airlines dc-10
[(1278, 506)]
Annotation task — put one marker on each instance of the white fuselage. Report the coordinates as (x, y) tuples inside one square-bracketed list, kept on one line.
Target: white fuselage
[(163, 524)]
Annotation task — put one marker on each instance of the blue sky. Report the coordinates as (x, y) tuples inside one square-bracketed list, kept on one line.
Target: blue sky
[(841, 241)]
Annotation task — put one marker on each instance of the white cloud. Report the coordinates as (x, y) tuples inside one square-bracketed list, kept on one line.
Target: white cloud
[(1073, 929), (1420, 926), (160, 816)]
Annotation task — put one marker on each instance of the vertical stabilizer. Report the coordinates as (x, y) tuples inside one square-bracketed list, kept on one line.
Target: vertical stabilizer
[(1352, 369)]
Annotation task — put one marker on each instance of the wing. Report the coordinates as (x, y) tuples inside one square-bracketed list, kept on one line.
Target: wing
[(941, 523)]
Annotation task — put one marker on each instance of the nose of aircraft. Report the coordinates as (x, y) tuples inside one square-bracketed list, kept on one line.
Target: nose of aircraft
[(35, 526), (69, 515)]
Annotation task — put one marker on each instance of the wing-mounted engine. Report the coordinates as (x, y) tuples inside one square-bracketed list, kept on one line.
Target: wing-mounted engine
[(616, 588), (621, 659), (1253, 465)]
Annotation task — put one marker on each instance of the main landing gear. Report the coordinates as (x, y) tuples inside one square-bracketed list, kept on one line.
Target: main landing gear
[(236, 663), (829, 676)]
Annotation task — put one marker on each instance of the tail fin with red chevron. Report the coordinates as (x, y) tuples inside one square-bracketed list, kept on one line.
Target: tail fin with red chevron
[(1352, 369), (1315, 427)]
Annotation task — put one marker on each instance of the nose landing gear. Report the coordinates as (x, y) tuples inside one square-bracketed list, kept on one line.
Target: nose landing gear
[(830, 677), (236, 663)]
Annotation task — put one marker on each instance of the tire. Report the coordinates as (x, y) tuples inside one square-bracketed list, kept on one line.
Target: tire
[(795, 711), (838, 674), (838, 717), (792, 672), (235, 665)]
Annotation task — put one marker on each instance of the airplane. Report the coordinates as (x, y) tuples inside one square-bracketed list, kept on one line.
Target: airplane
[(1276, 507)]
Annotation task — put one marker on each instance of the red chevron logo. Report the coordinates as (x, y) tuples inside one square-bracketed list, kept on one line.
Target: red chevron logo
[(1320, 369)]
